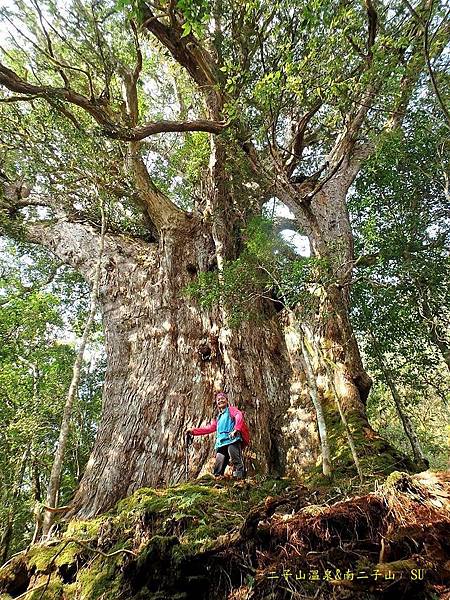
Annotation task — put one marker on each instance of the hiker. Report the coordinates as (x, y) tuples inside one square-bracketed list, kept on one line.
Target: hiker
[(231, 434)]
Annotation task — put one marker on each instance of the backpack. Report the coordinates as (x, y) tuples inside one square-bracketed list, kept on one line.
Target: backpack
[(245, 433)]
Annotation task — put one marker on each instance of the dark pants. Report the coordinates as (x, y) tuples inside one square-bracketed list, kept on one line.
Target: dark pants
[(226, 453)]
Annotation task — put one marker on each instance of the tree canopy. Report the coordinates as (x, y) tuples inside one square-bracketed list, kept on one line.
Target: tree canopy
[(76, 78), (182, 122)]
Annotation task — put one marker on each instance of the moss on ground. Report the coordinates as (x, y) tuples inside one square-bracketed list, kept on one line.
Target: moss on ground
[(169, 544), (50, 588), (149, 536)]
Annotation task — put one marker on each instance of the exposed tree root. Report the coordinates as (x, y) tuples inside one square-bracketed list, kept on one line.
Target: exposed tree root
[(395, 540), (391, 543)]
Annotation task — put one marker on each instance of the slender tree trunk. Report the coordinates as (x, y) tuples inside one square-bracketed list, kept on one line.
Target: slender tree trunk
[(304, 380), (419, 457), (8, 530), (37, 496), (321, 423)]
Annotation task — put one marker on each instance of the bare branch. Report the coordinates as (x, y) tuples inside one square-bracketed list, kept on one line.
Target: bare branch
[(426, 50), (11, 99), (52, 58), (109, 128), (138, 66), (139, 133), (13, 82), (49, 44)]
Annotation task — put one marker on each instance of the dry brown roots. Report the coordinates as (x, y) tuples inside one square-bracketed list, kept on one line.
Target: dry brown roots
[(392, 543)]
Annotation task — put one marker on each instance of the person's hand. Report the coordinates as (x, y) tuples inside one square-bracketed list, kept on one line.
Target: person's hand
[(233, 434)]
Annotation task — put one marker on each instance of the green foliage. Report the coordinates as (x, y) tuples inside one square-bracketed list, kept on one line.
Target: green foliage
[(400, 301), (35, 372), (267, 270), (430, 417), (196, 13)]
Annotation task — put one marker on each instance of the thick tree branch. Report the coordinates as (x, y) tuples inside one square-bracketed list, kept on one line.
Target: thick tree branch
[(14, 83), (139, 133), (130, 79), (186, 50), (297, 144), (109, 128), (346, 141), (70, 235), (161, 210), (76, 243)]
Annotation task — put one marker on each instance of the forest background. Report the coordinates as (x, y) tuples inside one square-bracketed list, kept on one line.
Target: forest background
[(398, 208)]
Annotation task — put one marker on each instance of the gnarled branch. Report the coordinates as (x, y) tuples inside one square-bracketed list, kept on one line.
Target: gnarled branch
[(139, 133), (185, 49)]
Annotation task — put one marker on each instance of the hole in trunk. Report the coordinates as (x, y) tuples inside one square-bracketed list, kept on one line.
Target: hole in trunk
[(191, 269), (205, 352)]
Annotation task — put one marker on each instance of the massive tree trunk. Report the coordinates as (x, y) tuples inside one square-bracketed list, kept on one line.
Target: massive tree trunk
[(166, 354), (165, 357)]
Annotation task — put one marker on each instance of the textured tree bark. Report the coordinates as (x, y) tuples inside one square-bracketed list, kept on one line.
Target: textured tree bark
[(58, 461), (332, 239), (165, 357), (166, 354), (341, 379)]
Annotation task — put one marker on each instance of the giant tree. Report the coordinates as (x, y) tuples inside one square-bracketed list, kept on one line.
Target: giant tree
[(185, 118)]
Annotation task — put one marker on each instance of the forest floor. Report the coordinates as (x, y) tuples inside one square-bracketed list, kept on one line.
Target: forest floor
[(252, 540)]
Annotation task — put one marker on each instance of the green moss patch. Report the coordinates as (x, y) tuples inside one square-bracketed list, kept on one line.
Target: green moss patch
[(184, 542), (144, 544)]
